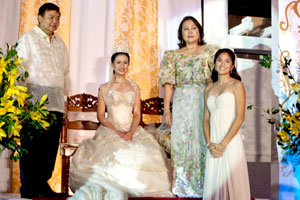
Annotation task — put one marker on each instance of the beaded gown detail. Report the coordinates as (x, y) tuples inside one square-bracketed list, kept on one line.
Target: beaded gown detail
[(108, 167)]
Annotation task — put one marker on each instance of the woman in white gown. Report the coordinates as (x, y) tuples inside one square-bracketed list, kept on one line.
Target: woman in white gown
[(226, 174), (122, 159)]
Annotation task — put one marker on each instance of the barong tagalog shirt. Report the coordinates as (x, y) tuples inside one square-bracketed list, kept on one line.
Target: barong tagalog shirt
[(47, 63)]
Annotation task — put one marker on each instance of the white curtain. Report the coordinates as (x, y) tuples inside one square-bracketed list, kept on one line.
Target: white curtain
[(9, 22), (91, 41), (170, 14), (9, 26)]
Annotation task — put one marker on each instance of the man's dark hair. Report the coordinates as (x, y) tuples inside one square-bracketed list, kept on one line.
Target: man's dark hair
[(47, 6)]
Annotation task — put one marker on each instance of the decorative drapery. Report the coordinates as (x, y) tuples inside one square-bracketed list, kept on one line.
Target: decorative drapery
[(28, 19), (136, 29)]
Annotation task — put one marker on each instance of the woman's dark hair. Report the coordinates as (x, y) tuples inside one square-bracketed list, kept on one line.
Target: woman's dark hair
[(233, 73), (113, 57), (180, 37), (47, 6)]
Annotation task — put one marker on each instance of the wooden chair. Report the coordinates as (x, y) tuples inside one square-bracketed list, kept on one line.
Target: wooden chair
[(80, 123), (85, 103)]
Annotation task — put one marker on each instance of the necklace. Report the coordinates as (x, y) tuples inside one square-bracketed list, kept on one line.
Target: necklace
[(224, 82)]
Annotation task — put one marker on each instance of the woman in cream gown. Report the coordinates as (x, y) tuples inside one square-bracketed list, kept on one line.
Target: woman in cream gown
[(122, 159), (226, 174)]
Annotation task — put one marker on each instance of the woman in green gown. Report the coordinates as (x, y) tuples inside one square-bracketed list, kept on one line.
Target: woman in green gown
[(185, 72)]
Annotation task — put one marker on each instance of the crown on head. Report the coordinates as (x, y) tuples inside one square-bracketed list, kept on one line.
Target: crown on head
[(120, 47)]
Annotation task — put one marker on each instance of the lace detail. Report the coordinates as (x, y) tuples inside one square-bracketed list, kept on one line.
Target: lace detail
[(137, 167)]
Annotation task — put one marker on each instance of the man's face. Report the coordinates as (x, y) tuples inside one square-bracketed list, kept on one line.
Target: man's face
[(49, 22)]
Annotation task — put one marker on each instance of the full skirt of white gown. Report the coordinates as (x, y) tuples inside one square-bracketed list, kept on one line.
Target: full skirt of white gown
[(111, 168), (226, 178)]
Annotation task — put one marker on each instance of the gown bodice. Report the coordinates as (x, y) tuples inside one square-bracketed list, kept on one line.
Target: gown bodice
[(222, 112), (222, 104), (119, 108)]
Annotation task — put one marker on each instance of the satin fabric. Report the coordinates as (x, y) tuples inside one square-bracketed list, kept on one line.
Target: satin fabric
[(108, 167), (226, 178)]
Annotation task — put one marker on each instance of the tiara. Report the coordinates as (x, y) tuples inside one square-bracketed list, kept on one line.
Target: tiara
[(121, 46)]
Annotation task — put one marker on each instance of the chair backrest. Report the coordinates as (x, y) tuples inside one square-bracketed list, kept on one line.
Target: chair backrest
[(152, 106), (79, 124), (82, 114)]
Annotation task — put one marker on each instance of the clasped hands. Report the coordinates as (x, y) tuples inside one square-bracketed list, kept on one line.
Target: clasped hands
[(127, 135), (216, 150)]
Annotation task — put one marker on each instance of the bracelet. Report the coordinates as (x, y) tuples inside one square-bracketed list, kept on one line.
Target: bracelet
[(208, 144)]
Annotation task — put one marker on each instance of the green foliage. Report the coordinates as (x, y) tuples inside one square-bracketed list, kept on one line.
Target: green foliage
[(266, 61), (17, 110)]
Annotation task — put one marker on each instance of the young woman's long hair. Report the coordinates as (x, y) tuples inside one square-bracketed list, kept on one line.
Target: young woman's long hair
[(233, 72)]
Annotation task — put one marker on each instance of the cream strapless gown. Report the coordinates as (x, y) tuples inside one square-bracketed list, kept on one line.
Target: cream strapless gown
[(226, 178), (110, 168)]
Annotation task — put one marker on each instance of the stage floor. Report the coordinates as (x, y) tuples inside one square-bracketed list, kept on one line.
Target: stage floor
[(10, 196)]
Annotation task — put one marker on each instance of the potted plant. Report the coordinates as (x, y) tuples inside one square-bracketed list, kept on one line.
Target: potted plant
[(288, 125), (16, 108)]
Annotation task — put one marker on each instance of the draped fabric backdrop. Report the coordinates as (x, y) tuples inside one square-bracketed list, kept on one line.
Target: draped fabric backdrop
[(91, 41)]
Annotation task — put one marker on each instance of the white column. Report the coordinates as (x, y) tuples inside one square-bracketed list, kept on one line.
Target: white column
[(216, 22), (9, 22)]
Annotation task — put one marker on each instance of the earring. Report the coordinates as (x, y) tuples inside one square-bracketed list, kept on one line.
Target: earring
[(199, 40), (231, 71), (181, 41)]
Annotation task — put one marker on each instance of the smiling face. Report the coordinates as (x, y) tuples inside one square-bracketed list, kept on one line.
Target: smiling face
[(121, 64), (224, 64), (49, 22), (190, 32)]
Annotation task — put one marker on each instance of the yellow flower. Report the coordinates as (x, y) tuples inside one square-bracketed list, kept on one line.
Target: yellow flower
[(12, 76), (18, 62), (7, 107), (12, 90), (283, 135), (2, 132), (2, 68), (16, 129), (36, 116), (43, 99), (295, 87), (3, 111), (45, 124), (3, 63), (21, 98), (22, 88), (288, 118)]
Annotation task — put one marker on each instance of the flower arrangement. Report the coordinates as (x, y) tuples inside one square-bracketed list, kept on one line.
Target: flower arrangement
[(288, 134), (16, 109)]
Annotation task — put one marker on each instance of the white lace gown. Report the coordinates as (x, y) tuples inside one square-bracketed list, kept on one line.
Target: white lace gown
[(108, 167), (226, 178)]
